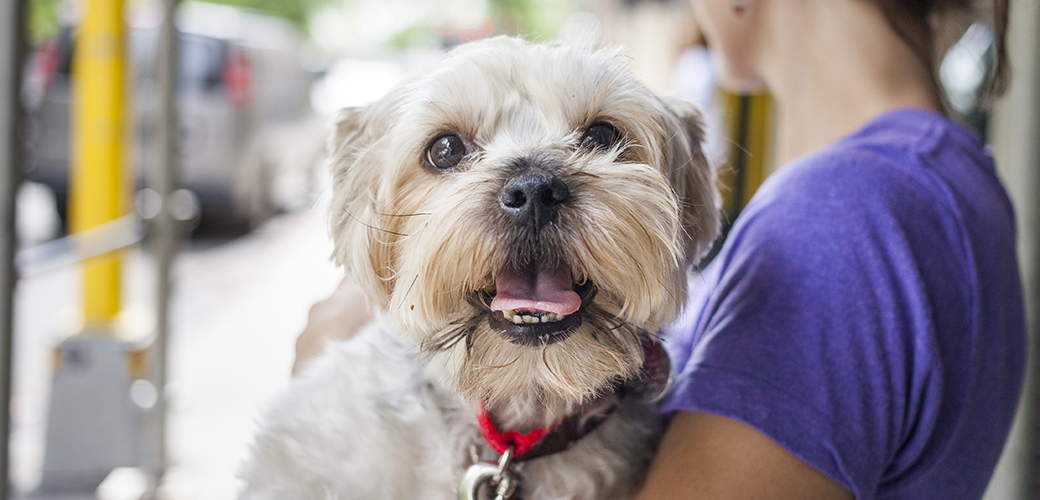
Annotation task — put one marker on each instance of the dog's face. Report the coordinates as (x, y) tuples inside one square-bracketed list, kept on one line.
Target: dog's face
[(526, 213)]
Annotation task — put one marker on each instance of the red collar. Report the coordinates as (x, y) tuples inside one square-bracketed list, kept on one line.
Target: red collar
[(649, 386), (502, 441)]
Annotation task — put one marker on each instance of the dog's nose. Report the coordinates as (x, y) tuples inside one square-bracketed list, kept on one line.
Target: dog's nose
[(534, 197)]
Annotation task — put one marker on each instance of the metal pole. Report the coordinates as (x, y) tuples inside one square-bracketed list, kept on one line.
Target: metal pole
[(167, 229), (12, 50), (92, 424), (97, 179)]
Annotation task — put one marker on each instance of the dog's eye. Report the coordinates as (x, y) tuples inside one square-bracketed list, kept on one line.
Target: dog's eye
[(600, 135), (446, 151)]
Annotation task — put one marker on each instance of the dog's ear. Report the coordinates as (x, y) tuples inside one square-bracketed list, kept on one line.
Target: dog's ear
[(692, 177), (353, 219)]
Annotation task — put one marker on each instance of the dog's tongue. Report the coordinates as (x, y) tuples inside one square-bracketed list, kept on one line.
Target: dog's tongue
[(546, 288)]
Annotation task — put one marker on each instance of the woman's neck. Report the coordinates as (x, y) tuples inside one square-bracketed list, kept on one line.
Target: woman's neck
[(841, 67)]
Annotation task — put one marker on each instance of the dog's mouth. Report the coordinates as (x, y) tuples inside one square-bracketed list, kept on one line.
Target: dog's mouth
[(538, 303)]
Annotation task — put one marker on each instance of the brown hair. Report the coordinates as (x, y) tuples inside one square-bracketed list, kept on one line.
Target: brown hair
[(913, 22)]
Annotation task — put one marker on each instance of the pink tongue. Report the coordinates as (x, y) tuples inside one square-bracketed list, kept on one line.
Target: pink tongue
[(546, 289)]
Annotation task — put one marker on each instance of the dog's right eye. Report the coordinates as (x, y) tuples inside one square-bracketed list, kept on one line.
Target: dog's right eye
[(601, 135), (446, 151)]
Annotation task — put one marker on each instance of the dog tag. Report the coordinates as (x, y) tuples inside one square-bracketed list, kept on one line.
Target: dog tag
[(506, 488), (482, 473), (474, 479)]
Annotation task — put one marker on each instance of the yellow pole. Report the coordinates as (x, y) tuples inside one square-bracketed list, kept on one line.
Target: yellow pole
[(97, 177), (750, 125)]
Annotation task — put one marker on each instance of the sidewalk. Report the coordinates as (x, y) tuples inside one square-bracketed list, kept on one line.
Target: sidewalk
[(237, 308)]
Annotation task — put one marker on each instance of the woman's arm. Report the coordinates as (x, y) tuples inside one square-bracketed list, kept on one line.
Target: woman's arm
[(704, 456)]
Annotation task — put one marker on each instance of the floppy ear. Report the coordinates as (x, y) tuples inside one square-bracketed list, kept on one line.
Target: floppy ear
[(353, 219), (692, 177)]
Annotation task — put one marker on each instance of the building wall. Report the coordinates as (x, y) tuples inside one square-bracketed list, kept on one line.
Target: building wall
[(1016, 145)]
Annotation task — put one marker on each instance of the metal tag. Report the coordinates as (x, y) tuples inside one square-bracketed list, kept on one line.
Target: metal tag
[(494, 476)]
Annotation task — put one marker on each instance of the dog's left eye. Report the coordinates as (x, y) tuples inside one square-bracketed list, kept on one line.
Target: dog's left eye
[(446, 151), (600, 135)]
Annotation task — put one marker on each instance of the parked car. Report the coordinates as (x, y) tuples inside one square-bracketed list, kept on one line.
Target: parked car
[(238, 75)]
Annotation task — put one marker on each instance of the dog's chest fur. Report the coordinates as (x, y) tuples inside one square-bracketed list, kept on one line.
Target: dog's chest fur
[(364, 422)]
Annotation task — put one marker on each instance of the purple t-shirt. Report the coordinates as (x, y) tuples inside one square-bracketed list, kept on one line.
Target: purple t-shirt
[(866, 313)]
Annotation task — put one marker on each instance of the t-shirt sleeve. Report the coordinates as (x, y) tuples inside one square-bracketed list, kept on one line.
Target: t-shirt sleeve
[(816, 327)]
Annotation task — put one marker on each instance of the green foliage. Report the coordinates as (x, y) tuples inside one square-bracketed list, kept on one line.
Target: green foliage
[(293, 10), (537, 19), (42, 21), (415, 35)]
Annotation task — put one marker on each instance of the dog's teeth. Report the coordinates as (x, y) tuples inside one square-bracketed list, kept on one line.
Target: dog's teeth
[(531, 317)]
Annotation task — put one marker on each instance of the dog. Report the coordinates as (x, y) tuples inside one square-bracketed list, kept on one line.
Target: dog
[(524, 217)]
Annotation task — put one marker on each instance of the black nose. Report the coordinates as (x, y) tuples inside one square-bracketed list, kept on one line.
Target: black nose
[(534, 198)]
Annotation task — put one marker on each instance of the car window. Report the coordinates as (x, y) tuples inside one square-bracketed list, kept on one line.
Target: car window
[(201, 58), (64, 53), (201, 62)]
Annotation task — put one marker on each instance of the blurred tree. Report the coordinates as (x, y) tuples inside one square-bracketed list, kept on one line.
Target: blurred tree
[(293, 10), (537, 19), (513, 16), (43, 19)]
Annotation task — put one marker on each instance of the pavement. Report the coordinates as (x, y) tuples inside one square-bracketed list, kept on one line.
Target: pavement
[(237, 308)]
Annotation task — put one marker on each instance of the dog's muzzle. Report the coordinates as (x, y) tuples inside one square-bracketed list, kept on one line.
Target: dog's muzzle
[(538, 303), (536, 328)]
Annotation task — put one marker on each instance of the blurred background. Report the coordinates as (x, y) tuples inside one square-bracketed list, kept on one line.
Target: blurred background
[(258, 82)]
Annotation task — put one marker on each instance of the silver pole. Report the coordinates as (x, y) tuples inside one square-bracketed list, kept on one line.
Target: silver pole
[(12, 50), (166, 227)]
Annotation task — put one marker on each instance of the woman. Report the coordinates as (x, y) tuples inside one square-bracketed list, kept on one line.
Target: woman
[(860, 335)]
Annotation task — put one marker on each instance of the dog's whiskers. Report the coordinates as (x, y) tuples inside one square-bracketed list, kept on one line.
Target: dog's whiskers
[(588, 174), (675, 300), (404, 215), (373, 227), (409, 290), (448, 338), (545, 361), (624, 334), (497, 367)]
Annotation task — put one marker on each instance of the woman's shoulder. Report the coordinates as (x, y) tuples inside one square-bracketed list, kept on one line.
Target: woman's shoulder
[(909, 175), (897, 162)]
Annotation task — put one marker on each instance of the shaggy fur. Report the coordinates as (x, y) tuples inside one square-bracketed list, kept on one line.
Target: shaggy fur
[(390, 414)]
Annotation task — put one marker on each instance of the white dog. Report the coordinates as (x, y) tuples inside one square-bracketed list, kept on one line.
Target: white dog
[(524, 217)]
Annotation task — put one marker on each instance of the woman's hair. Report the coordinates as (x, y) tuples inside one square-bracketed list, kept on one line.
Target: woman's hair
[(916, 23)]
